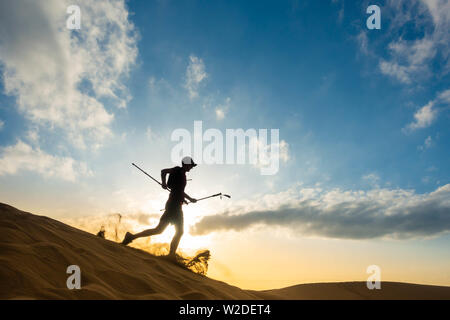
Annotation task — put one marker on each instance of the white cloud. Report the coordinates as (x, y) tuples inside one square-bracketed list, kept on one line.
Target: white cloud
[(221, 110), (195, 74), (22, 156), (424, 117), (220, 114), (59, 76)]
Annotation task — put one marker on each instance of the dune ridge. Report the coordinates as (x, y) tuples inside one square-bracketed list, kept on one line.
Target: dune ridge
[(35, 252)]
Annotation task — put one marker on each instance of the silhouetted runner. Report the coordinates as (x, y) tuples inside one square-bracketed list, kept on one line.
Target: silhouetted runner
[(173, 212)]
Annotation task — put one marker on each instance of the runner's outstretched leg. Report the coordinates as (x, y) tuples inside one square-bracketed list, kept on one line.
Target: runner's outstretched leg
[(129, 237)]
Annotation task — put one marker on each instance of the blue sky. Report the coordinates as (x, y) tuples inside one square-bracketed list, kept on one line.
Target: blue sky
[(299, 68), (363, 114)]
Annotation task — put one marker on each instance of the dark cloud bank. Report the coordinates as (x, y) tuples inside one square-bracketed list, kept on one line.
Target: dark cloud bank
[(376, 214)]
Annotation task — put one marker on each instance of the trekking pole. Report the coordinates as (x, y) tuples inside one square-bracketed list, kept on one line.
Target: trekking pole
[(216, 195), (150, 177)]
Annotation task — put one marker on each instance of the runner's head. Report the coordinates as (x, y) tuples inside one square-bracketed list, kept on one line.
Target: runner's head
[(188, 163)]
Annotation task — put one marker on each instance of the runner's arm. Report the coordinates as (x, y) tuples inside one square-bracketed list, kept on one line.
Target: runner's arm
[(164, 173), (186, 196)]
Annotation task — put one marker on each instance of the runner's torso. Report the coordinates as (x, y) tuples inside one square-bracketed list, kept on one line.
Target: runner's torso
[(178, 179)]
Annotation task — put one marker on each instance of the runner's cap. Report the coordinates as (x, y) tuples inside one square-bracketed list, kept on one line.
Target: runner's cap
[(188, 160)]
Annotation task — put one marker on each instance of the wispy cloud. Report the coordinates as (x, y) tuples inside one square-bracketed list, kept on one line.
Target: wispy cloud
[(393, 69), (2, 124), (363, 42), (151, 134), (444, 96), (410, 60), (341, 10), (195, 74), (378, 213), (372, 178), (428, 143)]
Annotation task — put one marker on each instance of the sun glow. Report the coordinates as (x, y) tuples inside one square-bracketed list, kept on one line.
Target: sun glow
[(189, 244)]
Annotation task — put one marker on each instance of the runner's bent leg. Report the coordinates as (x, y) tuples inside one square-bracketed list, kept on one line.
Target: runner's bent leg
[(179, 229)]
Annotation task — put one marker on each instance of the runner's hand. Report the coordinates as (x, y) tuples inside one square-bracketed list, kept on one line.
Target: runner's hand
[(193, 200), (164, 186)]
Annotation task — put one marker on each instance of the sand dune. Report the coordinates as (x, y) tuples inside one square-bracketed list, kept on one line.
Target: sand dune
[(357, 291), (35, 252)]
